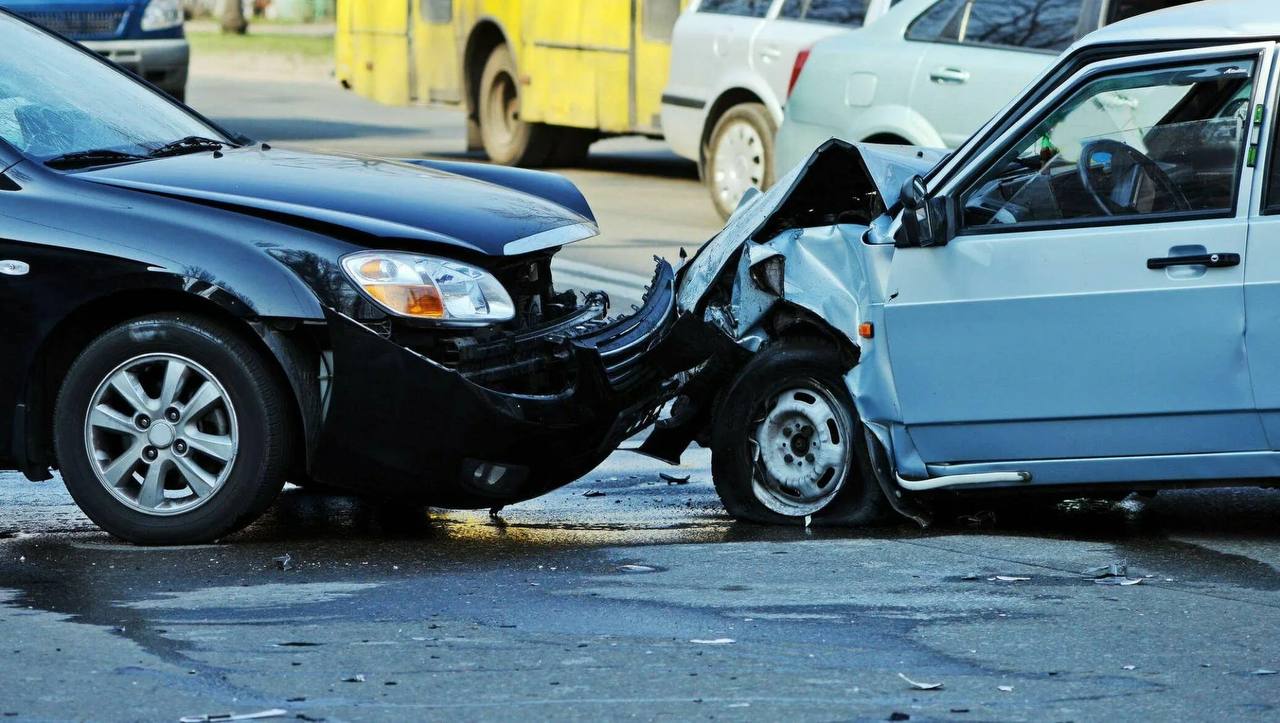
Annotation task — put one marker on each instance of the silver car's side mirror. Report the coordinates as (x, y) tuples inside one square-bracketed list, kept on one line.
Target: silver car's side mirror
[(924, 219)]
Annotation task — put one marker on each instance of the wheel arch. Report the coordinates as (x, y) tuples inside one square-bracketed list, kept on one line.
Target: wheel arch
[(736, 95), (284, 353)]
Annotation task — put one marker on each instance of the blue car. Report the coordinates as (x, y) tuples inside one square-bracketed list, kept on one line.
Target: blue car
[(143, 36), (1085, 294)]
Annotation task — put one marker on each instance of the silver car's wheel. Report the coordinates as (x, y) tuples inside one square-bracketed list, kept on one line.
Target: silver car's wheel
[(739, 155), (738, 163), (802, 450), (161, 434)]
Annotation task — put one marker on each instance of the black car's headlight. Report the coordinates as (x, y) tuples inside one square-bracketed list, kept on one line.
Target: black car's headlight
[(428, 287), (162, 15)]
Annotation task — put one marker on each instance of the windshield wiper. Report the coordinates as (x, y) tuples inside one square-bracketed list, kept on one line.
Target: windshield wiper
[(183, 146), (91, 157)]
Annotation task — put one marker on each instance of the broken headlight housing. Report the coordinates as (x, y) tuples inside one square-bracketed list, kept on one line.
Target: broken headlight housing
[(431, 288)]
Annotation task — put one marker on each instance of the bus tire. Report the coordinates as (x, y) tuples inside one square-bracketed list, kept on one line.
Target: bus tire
[(507, 139)]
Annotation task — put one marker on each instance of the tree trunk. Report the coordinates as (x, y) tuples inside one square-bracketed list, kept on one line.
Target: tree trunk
[(233, 20)]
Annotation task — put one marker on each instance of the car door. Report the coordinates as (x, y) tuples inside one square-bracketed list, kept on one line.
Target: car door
[(1262, 272), (715, 39), (796, 27), (980, 54), (1091, 309)]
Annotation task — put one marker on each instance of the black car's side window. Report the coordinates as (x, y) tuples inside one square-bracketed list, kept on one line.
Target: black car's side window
[(1046, 25), (746, 8), (838, 12)]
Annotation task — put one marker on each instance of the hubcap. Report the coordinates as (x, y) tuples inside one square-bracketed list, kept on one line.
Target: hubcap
[(503, 116), (161, 434), (801, 451), (737, 163)]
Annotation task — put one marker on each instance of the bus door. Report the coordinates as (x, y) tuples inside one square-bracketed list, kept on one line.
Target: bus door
[(654, 22), (437, 54)]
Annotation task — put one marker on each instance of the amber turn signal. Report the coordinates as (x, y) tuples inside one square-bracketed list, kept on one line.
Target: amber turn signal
[(866, 330)]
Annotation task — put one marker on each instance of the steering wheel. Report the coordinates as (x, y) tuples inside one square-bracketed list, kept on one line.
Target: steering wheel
[(1138, 162)]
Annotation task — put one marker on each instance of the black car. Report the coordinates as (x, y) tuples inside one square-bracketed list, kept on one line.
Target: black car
[(189, 319)]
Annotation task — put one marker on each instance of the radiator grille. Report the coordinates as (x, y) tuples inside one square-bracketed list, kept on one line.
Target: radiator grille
[(74, 24)]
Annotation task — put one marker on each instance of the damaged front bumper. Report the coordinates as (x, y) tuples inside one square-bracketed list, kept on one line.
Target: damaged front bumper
[(453, 432)]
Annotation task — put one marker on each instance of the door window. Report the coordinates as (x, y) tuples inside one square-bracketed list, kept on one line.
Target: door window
[(1047, 25), (660, 19), (1122, 9), (1132, 145), (839, 12), (438, 11), (746, 8)]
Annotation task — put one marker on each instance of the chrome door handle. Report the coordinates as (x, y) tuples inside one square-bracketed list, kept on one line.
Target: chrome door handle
[(949, 76), (9, 267)]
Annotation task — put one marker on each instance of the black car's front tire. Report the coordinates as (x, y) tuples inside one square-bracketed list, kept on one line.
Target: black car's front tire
[(172, 429), (787, 443)]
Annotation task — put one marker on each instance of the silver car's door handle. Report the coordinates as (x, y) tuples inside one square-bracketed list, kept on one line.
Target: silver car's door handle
[(9, 267), (949, 76)]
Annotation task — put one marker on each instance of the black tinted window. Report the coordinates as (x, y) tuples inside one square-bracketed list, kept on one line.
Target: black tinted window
[(1033, 24), (1030, 24), (936, 22), (748, 8), (840, 12), (1121, 9)]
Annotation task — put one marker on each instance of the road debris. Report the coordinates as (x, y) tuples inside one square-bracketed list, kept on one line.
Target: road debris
[(1005, 688), (919, 685), (1118, 581), (357, 678), (1119, 568), (712, 641), (899, 715), (1264, 671), (1008, 578), (210, 717), (1129, 667), (284, 562), (593, 493), (673, 479), (636, 568)]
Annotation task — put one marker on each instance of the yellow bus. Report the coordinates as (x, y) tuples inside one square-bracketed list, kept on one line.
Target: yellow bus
[(539, 80)]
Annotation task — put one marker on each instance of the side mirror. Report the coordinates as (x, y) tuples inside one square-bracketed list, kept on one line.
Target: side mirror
[(924, 219)]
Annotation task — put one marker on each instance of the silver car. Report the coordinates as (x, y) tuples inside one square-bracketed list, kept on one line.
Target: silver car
[(932, 71), (732, 64)]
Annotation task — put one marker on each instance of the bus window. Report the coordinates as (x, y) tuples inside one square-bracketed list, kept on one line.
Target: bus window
[(660, 19), (437, 11)]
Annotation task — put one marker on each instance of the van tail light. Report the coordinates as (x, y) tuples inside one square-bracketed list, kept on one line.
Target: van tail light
[(801, 58)]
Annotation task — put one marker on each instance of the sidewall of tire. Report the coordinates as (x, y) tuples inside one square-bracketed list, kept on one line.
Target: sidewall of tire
[(860, 500), (758, 116), (532, 143), (263, 434)]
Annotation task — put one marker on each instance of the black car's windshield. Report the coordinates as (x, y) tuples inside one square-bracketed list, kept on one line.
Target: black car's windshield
[(57, 102)]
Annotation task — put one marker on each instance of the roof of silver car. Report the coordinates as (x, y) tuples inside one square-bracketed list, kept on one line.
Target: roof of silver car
[(1207, 19)]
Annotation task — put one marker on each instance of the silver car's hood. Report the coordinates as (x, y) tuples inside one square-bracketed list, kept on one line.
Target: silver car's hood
[(840, 183)]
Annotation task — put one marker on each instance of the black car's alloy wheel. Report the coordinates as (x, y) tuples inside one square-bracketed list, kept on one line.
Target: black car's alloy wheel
[(171, 429), (787, 443)]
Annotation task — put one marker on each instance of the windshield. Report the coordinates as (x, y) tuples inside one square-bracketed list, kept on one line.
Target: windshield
[(55, 100)]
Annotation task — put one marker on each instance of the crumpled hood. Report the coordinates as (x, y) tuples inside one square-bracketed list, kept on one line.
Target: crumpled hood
[(387, 199), (841, 183)]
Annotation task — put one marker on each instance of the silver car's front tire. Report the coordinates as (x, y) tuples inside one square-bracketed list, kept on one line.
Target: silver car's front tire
[(172, 429)]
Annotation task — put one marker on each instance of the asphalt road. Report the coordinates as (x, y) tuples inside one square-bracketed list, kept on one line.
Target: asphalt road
[(626, 595)]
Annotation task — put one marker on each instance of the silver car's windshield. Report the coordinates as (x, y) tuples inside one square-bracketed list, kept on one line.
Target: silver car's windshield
[(55, 100)]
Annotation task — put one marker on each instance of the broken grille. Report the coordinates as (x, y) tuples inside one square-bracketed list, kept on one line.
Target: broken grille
[(78, 23)]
